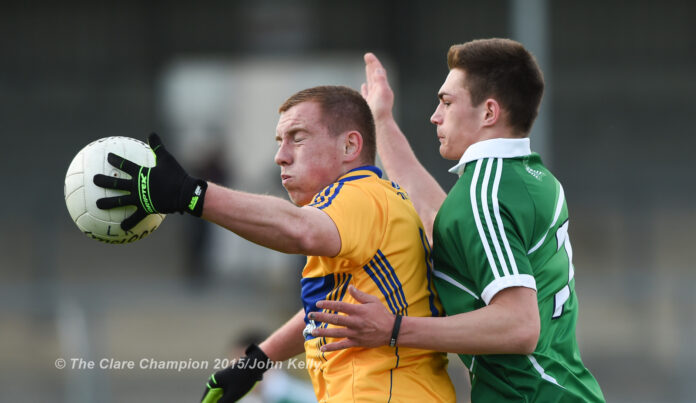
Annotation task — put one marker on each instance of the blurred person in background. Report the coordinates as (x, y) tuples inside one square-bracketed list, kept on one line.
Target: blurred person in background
[(198, 234), (354, 227), (502, 255)]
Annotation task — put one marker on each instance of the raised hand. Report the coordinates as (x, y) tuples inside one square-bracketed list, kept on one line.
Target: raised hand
[(376, 89)]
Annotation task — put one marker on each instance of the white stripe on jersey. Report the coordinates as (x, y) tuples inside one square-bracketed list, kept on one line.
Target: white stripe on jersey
[(479, 227), (557, 213), (501, 227), (541, 371), (563, 240), (507, 279), (559, 205), (487, 215), (454, 282), (489, 222), (520, 280), (559, 299), (538, 245)]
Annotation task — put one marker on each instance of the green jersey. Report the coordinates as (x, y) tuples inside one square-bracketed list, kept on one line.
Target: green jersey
[(505, 224)]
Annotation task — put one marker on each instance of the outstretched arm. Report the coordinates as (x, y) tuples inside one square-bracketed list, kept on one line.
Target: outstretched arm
[(508, 325), (272, 222), (394, 150), (266, 220)]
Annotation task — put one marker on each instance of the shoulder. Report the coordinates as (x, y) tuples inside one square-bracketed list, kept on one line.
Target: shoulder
[(488, 181), (351, 190), (490, 189)]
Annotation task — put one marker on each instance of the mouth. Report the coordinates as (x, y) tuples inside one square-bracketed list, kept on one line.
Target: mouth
[(284, 178)]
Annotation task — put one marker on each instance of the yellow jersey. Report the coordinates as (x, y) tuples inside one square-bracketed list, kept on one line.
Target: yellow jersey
[(384, 252)]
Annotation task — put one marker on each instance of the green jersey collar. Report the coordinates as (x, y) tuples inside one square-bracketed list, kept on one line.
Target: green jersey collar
[(493, 148)]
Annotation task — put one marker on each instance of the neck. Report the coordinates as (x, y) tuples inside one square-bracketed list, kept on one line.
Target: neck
[(498, 132), (356, 164)]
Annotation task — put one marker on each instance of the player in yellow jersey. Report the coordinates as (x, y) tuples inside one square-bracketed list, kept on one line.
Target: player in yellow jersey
[(355, 228), (385, 252)]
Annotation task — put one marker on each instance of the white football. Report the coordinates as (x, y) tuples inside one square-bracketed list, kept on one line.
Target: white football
[(81, 193)]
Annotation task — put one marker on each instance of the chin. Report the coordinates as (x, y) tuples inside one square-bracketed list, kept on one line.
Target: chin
[(446, 154)]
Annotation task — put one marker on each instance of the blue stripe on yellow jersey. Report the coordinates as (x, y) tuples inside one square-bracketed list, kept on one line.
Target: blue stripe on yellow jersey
[(384, 252), (429, 264)]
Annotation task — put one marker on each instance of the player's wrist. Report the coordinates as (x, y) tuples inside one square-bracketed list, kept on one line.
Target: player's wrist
[(254, 363), (382, 115), (192, 195), (254, 352), (395, 330)]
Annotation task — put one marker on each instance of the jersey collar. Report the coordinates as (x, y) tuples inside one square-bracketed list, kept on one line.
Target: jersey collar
[(493, 148), (357, 171)]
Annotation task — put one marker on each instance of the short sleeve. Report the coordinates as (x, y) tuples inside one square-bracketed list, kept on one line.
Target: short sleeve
[(359, 217), (500, 212)]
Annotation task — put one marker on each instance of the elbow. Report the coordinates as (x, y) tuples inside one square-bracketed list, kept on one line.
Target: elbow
[(527, 337), (305, 240), (313, 233), (298, 240), (528, 342)]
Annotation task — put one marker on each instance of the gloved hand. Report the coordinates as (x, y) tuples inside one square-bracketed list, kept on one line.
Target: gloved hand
[(232, 383), (164, 188)]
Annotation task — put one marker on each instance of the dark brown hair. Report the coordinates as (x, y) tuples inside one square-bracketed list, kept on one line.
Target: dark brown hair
[(504, 70), (343, 109)]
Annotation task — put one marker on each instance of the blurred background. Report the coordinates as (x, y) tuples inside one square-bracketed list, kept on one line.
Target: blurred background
[(617, 126)]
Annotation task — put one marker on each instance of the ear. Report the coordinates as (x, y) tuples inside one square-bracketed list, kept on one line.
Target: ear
[(492, 112), (352, 146)]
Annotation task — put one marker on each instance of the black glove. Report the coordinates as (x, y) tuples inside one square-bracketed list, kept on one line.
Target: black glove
[(164, 188), (235, 381)]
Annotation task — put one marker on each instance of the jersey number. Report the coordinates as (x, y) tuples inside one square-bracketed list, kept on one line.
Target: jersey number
[(563, 240)]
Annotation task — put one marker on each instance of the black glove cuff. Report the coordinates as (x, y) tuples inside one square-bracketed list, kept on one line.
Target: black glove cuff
[(256, 362), (254, 352), (193, 195)]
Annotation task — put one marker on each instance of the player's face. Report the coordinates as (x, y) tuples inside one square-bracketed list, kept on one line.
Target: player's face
[(457, 121), (309, 157)]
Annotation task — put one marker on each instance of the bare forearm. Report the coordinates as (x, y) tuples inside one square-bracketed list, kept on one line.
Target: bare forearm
[(402, 166), (266, 220), (508, 325), (489, 330), (287, 341)]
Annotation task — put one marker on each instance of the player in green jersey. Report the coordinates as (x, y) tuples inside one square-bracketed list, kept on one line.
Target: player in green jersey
[(501, 252)]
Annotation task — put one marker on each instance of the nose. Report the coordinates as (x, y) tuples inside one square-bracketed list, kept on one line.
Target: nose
[(436, 118), (283, 155)]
